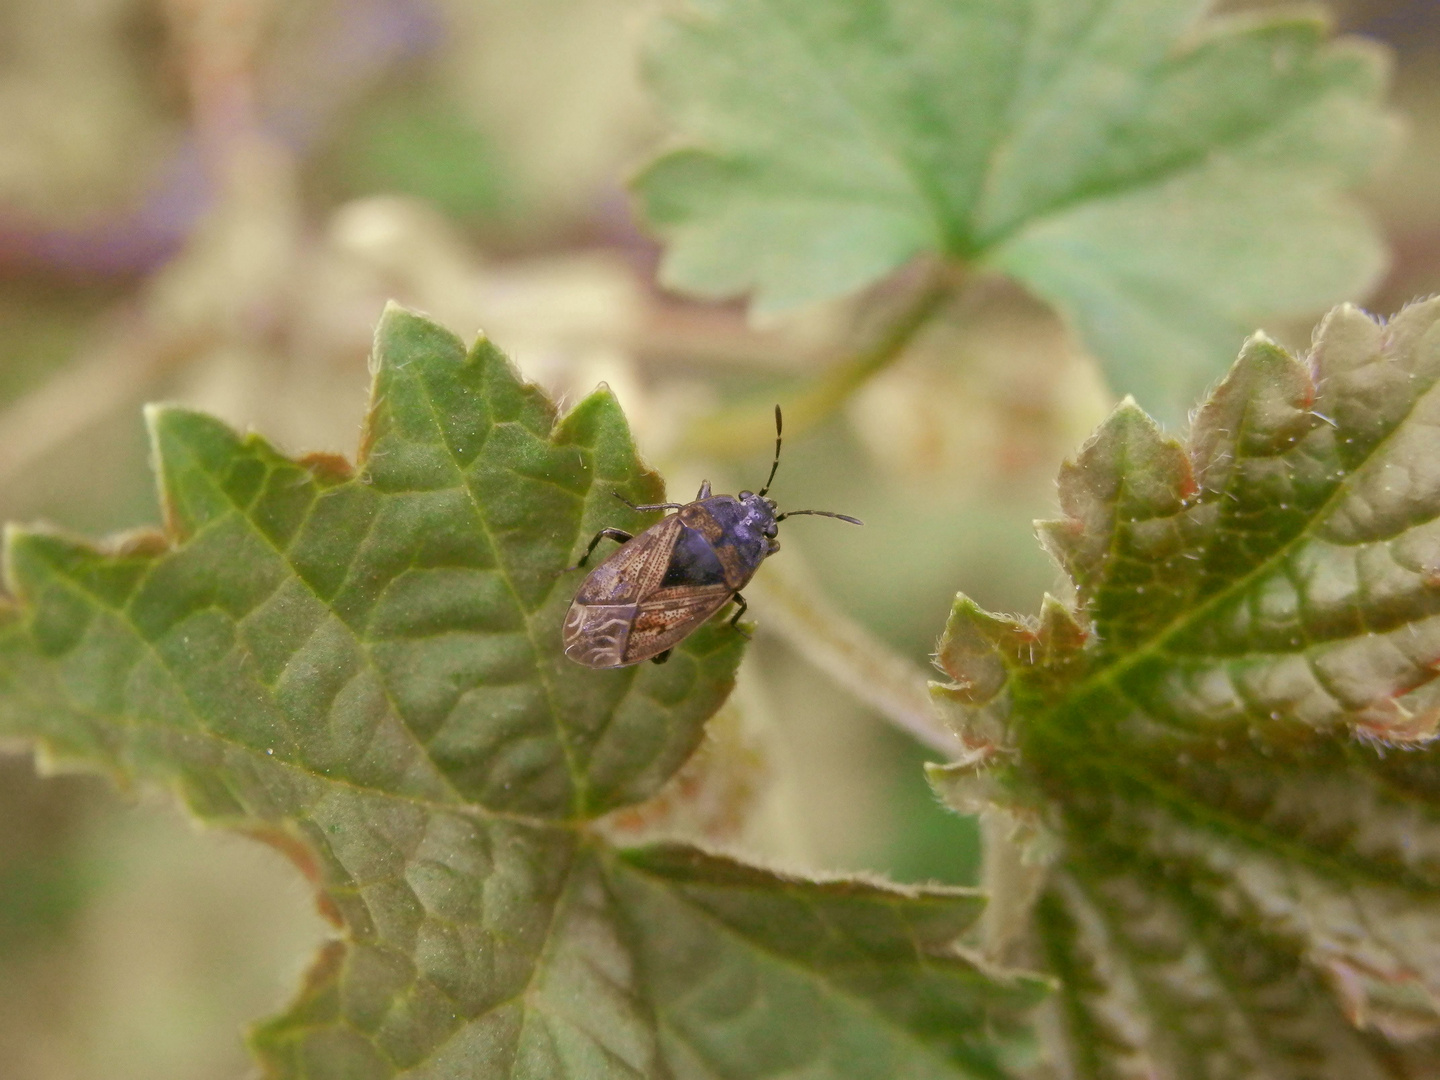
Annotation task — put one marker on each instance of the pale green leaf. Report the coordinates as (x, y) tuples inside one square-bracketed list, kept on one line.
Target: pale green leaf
[(1229, 740), (1164, 180), (363, 667)]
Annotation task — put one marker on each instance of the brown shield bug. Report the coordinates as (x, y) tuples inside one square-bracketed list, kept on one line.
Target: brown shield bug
[(662, 584)]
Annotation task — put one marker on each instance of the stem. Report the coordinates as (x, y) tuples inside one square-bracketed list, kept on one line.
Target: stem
[(890, 684), (90, 389), (739, 428)]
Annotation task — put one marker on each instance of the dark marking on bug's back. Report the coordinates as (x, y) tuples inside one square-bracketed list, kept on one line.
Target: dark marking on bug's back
[(693, 561)]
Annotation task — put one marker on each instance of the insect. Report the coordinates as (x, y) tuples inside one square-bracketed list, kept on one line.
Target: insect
[(659, 586)]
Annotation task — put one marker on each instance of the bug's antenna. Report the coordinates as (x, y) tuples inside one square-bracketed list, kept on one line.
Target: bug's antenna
[(820, 513), (770, 479)]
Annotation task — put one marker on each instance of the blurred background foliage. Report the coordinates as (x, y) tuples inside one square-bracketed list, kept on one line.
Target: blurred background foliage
[(210, 200)]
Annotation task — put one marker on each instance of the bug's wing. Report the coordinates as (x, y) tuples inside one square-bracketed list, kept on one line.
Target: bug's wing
[(634, 569), (598, 625), (596, 634), (666, 616)]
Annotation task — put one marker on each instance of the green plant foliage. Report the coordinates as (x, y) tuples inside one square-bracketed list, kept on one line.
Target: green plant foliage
[(1163, 181), (1227, 739), (363, 667), (415, 141)]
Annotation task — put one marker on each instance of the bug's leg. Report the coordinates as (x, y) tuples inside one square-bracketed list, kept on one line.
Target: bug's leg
[(619, 535), (738, 612), (648, 506), (660, 657)]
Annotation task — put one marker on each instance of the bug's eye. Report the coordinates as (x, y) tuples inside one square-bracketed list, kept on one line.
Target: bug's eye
[(746, 495), (771, 503), (772, 530)]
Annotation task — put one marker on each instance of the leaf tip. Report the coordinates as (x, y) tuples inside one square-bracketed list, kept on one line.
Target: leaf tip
[(33, 551), (1060, 630), (1414, 321), (969, 652), (1257, 342), (404, 335), (156, 413), (394, 310), (604, 399), (14, 540), (166, 420), (1129, 435), (1347, 337), (1127, 413), (14, 532), (969, 784)]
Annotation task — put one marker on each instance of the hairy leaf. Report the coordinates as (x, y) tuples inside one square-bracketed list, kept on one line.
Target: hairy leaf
[(1229, 738), (1163, 181), (363, 667)]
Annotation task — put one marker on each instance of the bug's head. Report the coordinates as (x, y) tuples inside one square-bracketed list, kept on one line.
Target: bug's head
[(759, 517)]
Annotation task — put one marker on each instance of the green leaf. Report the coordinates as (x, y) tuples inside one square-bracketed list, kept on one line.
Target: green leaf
[(840, 954), (414, 140), (1163, 181), (363, 667), (1229, 741)]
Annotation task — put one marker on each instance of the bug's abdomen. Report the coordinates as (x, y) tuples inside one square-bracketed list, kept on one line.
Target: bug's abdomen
[(596, 634)]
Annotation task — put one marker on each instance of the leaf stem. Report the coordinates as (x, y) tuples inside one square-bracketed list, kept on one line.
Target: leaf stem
[(793, 606), (136, 353), (740, 428)]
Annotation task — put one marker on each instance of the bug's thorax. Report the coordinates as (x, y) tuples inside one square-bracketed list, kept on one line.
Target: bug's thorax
[(746, 522)]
